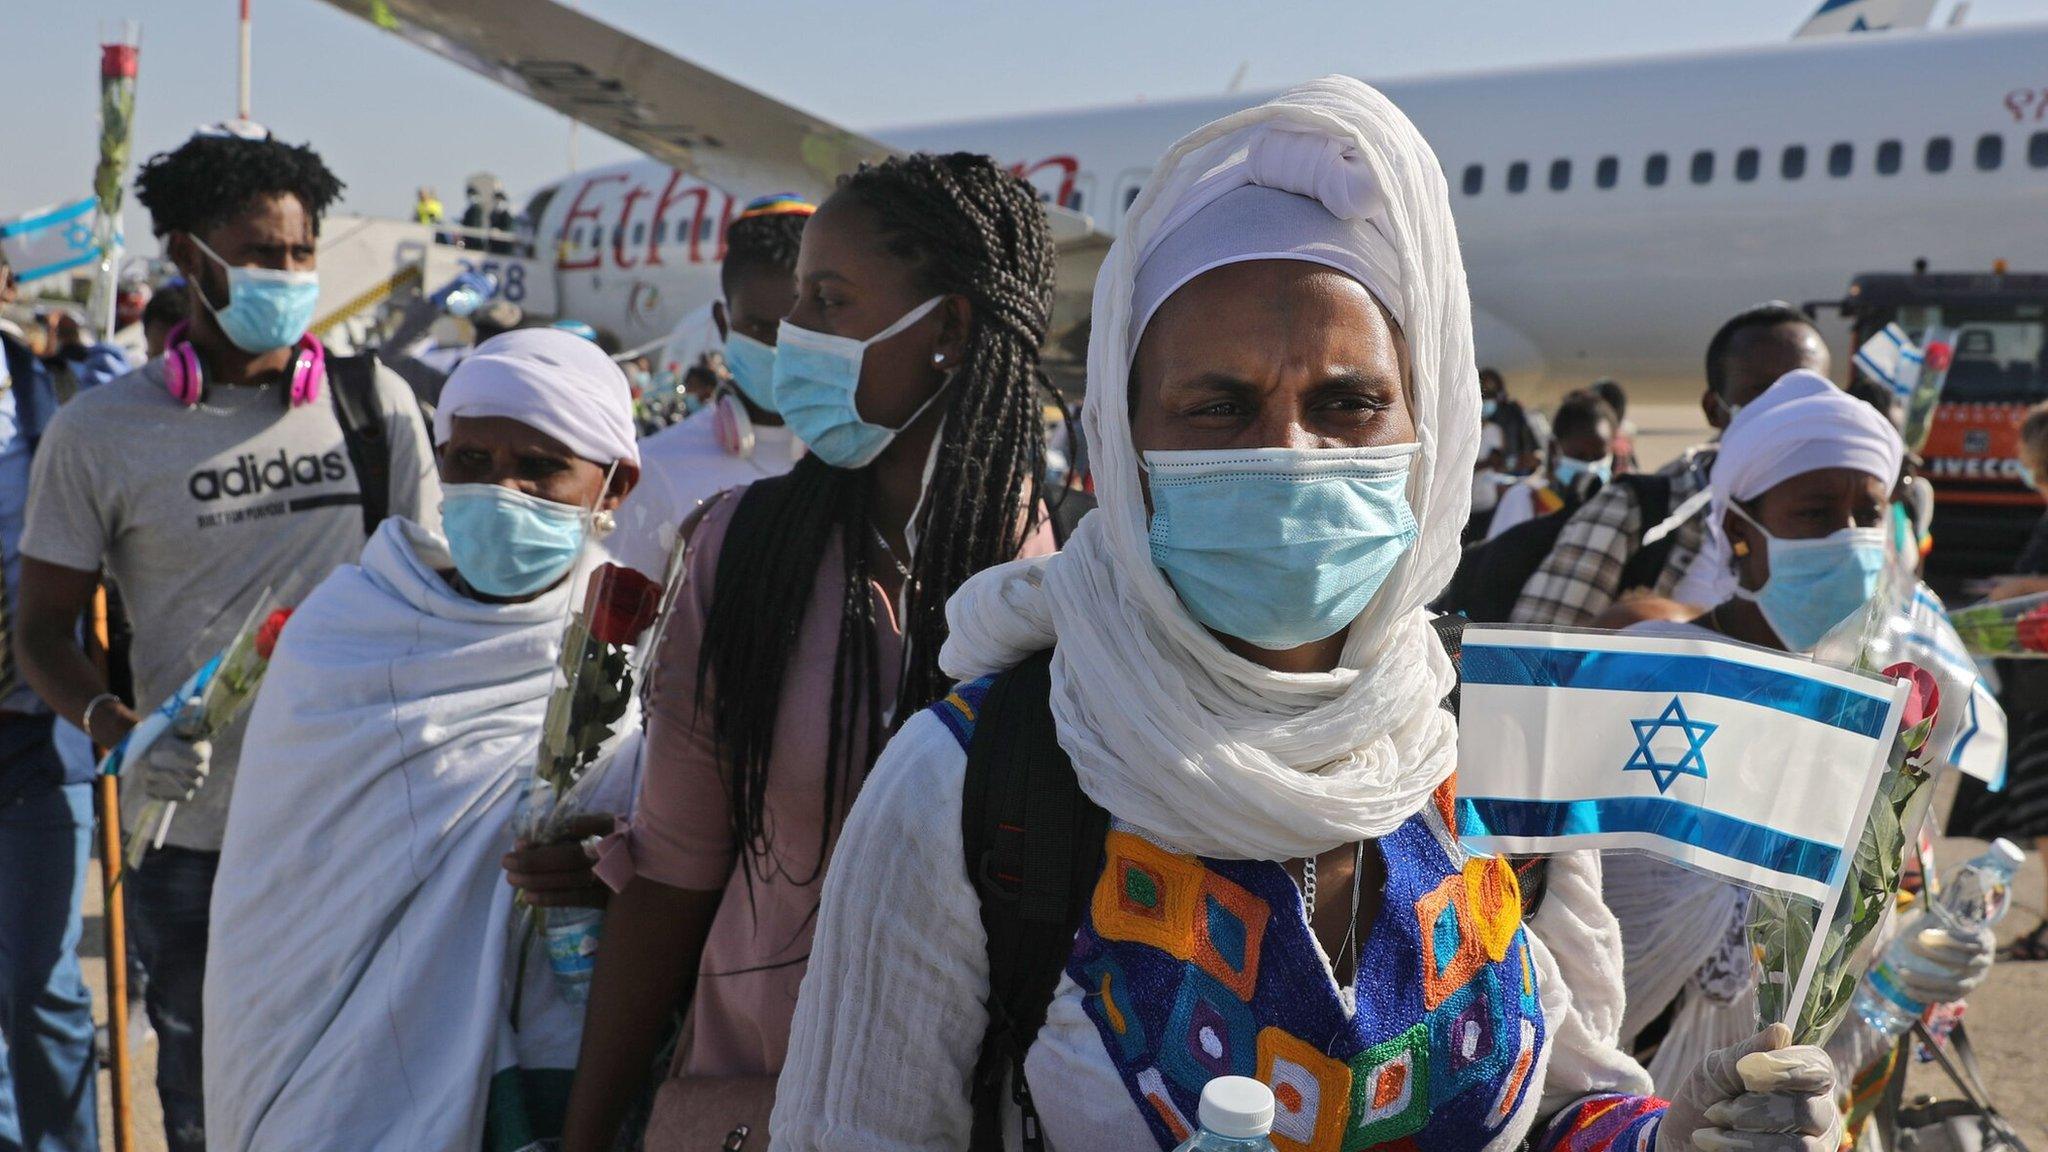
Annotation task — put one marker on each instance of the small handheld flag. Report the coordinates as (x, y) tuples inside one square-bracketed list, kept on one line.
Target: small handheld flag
[(1745, 763), (51, 240)]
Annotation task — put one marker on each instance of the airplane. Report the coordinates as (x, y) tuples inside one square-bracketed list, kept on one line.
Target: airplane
[(1611, 213)]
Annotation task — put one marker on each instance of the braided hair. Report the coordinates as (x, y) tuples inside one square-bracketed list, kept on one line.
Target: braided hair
[(967, 228), (765, 238)]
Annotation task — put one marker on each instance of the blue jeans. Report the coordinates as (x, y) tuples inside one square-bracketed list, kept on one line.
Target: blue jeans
[(168, 898), (47, 1072)]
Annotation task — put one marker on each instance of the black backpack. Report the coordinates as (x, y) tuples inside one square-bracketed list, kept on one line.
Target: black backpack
[(1492, 573), (1033, 848), (352, 385)]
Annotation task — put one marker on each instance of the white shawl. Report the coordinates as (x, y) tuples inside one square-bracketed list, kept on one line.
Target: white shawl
[(360, 969), (1167, 728)]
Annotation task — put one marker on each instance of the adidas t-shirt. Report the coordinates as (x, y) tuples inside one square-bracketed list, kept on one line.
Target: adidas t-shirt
[(196, 512)]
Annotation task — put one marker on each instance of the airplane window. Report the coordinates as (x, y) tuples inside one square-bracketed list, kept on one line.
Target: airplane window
[(1990, 152), (1888, 157), (1131, 194), (1746, 163), (640, 233), (1475, 179), (1560, 175), (1607, 171), (660, 233), (1074, 200), (1841, 158), (1518, 176), (2037, 150), (577, 238), (1792, 165), (1702, 166), (704, 226), (1655, 168), (1938, 153)]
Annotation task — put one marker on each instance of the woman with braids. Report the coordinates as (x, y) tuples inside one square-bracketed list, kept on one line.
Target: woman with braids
[(811, 618)]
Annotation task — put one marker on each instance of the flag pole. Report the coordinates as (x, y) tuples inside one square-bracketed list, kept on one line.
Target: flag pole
[(114, 917), (242, 75)]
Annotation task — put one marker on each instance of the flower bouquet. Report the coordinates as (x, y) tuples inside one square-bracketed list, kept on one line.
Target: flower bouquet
[(1782, 928), (2006, 628), (214, 697), (593, 694)]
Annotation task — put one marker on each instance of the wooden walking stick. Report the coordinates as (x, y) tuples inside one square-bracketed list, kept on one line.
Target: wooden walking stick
[(108, 790)]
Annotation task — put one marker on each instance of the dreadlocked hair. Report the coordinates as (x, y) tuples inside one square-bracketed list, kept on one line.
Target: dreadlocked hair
[(762, 243), (209, 180), (967, 228)]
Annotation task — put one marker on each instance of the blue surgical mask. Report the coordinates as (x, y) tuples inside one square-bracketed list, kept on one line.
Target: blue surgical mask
[(1566, 469), (1488, 407), (507, 543), (752, 365), (1279, 546), (816, 376), (1814, 585), (267, 309)]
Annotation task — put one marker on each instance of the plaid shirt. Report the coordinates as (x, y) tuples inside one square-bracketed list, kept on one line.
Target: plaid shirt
[(1581, 577)]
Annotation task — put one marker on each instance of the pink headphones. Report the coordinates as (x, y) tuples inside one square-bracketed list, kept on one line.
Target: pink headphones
[(187, 381)]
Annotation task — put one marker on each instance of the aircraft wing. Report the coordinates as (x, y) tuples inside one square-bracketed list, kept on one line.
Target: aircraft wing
[(677, 112)]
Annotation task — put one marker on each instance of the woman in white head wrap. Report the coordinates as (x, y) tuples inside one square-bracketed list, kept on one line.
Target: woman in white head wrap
[(1801, 494), (1283, 415), (362, 969)]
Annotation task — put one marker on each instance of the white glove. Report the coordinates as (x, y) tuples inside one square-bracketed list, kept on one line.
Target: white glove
[(1762, 1095), (175, 767), (1935, 965)]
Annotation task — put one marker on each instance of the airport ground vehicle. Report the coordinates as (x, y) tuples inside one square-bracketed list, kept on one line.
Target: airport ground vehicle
[(1983, 510)]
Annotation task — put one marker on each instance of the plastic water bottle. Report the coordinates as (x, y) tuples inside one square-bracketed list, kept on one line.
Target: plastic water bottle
[(1977, 896), (1236, 1116), (571, 938)]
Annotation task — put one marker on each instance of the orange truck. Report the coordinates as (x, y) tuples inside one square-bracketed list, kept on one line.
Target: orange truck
[(1999, 322)]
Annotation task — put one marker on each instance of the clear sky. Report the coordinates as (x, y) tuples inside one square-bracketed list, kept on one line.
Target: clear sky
[(388, 116)]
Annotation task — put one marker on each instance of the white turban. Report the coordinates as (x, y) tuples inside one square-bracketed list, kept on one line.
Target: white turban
[(551, 381), (1801, 424), (1167, 728)]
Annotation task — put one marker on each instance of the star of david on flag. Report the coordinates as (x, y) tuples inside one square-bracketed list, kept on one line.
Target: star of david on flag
[(51, 240), (1691, 762), (1723, 757)]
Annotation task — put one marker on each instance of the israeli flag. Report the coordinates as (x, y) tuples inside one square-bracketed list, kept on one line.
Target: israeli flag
[(51, 240), (1972, 722), (1716, 755), (1892, 359)]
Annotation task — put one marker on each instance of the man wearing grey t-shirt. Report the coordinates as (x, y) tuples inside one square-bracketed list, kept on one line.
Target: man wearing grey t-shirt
[(198, 483)]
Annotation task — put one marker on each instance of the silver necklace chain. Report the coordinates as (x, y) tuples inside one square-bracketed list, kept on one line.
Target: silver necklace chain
[(1308, 899)]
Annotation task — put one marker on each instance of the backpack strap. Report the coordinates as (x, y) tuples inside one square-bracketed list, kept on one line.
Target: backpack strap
[(1033, 845), (1653, 502), (352, 382)]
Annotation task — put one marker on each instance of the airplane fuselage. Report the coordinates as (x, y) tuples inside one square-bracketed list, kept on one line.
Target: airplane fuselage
[(1611, 214)]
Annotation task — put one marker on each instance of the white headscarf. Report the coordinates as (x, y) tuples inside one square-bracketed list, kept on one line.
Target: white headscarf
[(1167, 728), (550, 380), (1802, 423)]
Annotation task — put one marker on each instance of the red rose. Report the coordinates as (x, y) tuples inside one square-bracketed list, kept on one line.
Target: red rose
[(2030, 631), (273, 626), (622, 604), (1923, 697)]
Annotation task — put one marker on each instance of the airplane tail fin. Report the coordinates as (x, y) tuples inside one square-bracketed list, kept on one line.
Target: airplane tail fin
[(1835, 17)]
